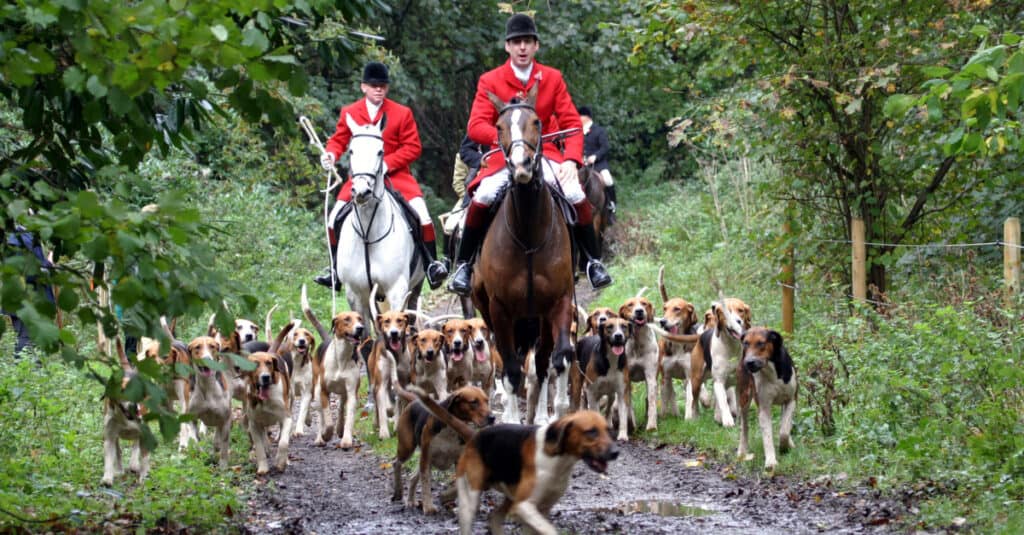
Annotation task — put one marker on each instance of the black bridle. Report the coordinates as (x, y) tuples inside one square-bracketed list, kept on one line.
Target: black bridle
[(535, 147)]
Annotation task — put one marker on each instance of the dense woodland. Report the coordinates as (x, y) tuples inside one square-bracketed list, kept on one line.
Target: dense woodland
[(729, 122)]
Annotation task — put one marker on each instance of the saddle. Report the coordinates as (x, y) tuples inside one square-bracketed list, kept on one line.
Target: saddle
[(412, 220)]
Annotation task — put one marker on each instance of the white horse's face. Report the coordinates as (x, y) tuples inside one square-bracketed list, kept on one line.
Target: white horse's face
[(366, 157)]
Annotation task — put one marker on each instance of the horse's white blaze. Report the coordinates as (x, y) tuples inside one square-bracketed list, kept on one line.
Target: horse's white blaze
[(518, 152)]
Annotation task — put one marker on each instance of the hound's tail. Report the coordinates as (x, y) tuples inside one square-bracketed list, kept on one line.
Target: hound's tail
[(308, 312)]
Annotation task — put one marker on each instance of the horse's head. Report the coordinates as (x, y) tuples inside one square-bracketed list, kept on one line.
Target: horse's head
[(519, 135), (366, 159)]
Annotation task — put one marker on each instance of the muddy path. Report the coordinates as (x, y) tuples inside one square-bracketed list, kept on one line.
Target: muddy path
[(651, 488)]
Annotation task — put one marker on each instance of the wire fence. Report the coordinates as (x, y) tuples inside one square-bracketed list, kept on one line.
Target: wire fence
[(997, 243)]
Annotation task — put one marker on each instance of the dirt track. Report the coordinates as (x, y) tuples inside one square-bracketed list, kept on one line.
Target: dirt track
[(329, 490)]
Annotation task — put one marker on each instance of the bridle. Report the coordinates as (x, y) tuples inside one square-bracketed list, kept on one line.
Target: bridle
[(535, 147), (377, 171)]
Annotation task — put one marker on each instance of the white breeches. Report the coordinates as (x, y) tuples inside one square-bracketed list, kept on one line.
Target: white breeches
[(417, 203), (606, 177), (489, 188)]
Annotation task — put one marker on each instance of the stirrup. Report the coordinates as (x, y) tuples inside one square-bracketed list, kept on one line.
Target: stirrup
[(597, 275), (436, 274), (461, 280)]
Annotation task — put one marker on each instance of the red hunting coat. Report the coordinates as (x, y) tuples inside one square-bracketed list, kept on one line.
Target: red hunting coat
[(401, 144), (554, 107)]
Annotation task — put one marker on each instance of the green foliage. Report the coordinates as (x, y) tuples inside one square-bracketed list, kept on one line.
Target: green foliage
[(86, 91), (52, 447), (818, 87), (924, 401)]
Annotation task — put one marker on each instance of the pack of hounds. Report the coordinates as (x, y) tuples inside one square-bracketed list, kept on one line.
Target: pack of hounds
[(433, 381)]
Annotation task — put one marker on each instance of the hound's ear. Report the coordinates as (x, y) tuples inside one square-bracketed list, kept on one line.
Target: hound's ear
[(557, 437), (649, 308), (410, 318), (776, 340), (592, 322), (497, 102), (624, 311), (746, 317), (629, 325), (693, 315)]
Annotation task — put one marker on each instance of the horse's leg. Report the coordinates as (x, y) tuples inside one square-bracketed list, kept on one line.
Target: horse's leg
[(563, 353), (541, 367), (505, 339)]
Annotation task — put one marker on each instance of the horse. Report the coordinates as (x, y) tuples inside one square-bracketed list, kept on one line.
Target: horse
[(523, 280), (593, 187), (375, 243)]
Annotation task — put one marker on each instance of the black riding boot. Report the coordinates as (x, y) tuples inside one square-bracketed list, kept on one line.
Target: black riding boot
[(436, 270), (461, 279), (587, 239)]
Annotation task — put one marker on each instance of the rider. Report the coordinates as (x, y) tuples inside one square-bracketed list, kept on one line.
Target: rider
[(595, 146), (555, 109), (401, 148)]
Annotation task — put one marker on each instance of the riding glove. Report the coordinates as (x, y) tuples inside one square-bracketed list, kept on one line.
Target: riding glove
[(327, 161)]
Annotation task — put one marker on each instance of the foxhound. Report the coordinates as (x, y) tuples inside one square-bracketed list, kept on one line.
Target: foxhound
[(674, 357), (642, 356), (210, 402), (268, 403), (766, 375), (429, 360), (718, 352), (439, 445), (457, 346), (602, 367), (122, 420), (300, 349), (531, 465), (390, 355)]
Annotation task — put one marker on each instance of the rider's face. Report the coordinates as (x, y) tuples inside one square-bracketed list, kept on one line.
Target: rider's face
[(521, 50), (375, 93)]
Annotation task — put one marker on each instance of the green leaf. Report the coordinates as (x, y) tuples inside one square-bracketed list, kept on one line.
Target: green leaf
[(1010, 39), (68, 300), (96, 87), (220, 32), (896, 106), (936, 71), (241, 363), (74, 79), (979, 31), (287, 58), (40, 59), (1016, 63)]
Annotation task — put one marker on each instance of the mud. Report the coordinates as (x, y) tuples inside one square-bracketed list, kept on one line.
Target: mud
[(651, 488)]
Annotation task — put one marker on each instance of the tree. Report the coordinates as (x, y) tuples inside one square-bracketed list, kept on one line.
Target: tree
[(819, 77), (88, 90)]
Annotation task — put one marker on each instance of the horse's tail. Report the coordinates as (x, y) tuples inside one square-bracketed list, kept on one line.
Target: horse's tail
[(308, 312)]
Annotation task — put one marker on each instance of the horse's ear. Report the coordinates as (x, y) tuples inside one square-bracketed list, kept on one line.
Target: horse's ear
[(531, 95), (352, 126), (382, 122), (498, 103)]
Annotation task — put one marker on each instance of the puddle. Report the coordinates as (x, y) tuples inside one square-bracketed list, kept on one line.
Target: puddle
[(660, 508)]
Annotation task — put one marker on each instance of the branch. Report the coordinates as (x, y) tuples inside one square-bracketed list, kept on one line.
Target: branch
[(915, 213)]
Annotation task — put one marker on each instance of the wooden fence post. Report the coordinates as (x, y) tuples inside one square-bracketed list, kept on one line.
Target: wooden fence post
[(859, 269), (788, 280), (1011, 257)]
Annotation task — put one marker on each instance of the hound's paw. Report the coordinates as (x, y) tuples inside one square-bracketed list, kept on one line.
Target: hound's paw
[(428, 507)]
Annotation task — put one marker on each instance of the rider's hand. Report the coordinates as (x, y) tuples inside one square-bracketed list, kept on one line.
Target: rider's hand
[(591, 159), (327, 161), (384, 168), (567, 170)]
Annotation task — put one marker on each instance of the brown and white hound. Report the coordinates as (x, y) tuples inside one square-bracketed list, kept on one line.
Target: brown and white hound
[(429, 361), (718, 352), (766, 375), (268, 403), (439, 445), (388, 358), (531, 465), (642, 356), (678, 317), (601, 360), (210, 401), (300, 349), (123, 420)]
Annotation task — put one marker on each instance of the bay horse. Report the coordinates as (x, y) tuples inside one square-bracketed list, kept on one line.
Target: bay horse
[(375, 243), (593, 188), (523, 280)]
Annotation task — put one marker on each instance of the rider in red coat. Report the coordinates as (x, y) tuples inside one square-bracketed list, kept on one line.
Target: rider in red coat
[(555, 109), (401, 148)]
